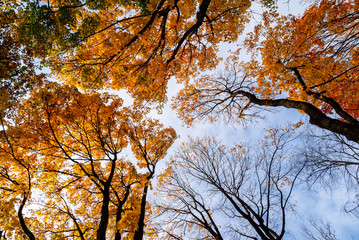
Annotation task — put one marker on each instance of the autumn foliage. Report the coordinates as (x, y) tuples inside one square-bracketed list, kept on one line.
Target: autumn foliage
[(67, 145), (135, 45), (77, 163), (18, 67), (320, 48), (309, 63)]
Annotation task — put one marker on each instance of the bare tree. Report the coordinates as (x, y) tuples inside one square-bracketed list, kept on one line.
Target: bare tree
[(320, 231), (329, 156), (219, 192), (332, 162)]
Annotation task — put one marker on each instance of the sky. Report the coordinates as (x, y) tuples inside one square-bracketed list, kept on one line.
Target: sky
[(311, 204), (316, 204)]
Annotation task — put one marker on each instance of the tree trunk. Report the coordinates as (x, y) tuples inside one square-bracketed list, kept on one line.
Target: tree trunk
[(22, 220), (141, 220), (101, 232)]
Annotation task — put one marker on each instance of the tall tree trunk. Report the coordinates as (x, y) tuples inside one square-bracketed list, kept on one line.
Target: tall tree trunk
[(120, 211), (101, 232), (27, 231), (141, 220)]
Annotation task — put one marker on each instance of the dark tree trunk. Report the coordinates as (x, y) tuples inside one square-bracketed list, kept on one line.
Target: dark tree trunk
[(24, 227), (101, 232), (141, 220), (120, 211)]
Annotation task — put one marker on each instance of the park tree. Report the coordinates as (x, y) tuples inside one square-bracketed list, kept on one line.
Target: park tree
[(320, 231), (17, 63), (17, 172), (221, 192), (75, 163), (69, 145), (308, 63), (134, 45), (331, 158)]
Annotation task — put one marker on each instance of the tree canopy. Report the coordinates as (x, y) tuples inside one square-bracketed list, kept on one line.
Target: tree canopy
[(136, 45), (309, 63), (78, 163), (67, 145), (247, 189)]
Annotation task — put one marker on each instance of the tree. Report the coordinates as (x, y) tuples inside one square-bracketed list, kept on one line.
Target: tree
[(17, 64), (331, 164), (219, 192), (329, 156), (17, 171), (309, 63), (64, 171), (136, 45), (74, 140), (320, 231)]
